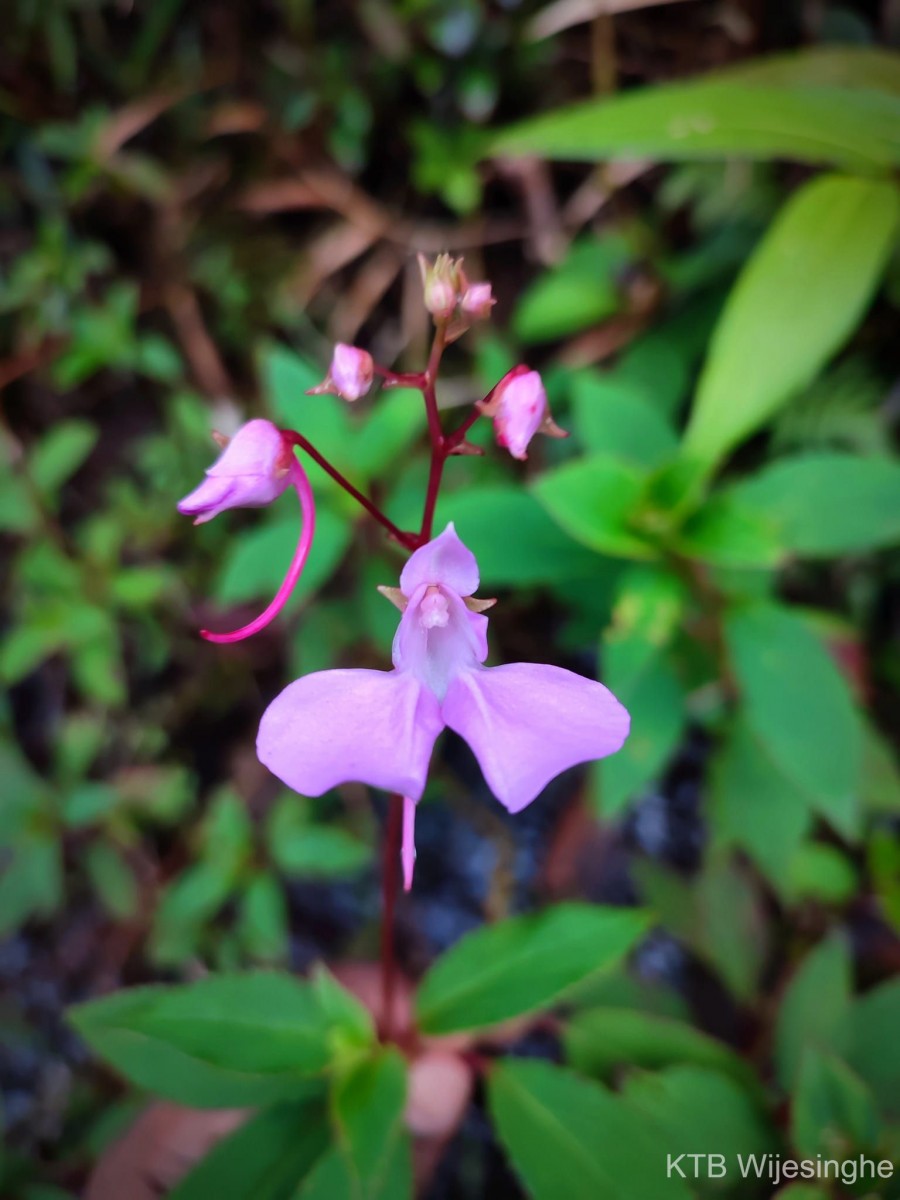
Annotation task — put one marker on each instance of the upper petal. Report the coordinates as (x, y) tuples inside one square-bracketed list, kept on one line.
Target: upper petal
[(374, 727), (526, 722), (444, 561), (435, 651)]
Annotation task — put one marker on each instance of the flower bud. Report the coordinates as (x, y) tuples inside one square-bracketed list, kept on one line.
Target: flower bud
[(441, 282), (253, 470), (478, 301), (351, 371), (518, 405)]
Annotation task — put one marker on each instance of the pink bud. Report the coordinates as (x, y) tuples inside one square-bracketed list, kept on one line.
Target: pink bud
[(519, 407), (253, 470), (478, 301), (351, 371)]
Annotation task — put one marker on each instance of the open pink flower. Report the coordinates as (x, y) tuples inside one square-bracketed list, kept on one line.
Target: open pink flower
[(525, 722), (252, 470)]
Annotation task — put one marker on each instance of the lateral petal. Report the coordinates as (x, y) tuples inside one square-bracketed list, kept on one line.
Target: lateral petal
[(374, 727), (527, 722)]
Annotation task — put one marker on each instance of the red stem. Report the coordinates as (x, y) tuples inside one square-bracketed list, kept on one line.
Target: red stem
[(409, 540), (390, 879)]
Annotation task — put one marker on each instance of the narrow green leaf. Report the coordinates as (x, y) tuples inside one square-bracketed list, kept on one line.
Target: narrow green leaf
[(570, 1139), (264, 1160), (711, 118), (797, 300), (522, 964)]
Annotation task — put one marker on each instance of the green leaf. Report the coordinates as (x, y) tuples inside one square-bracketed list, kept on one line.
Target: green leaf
[(59, 454), (718, 915), (813, 1005), (30, 882), (522, 964), (300, 848), (799, 706), (579, 292), (866, 1037), (868, 67), (657, 704), (797, 300), (708, 118), (264, 1160), (188, 902), (693, 1108), (614, 416), (112, 880), (263, 926), (832, 1112), (595, 500), (823, 873), (259, 558), (352, 1021), (332, 1178), (570, 1139), (727, 533), (515, 542), (756, 806), (225, 1040), (827, 504), (648, 611), (88, 803), (368, 1105), (601, 1040), (391, 426)]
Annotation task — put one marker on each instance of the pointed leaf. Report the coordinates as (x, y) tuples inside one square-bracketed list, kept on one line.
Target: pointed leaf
[(522, 964), (797, 300)]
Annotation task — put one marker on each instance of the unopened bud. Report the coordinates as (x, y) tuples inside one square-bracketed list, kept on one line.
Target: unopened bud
[(352, 370), (441, 281), (478, 301), (350, 374), (518, 405)]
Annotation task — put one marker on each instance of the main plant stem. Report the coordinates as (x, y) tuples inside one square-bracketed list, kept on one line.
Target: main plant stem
[(389, 881)]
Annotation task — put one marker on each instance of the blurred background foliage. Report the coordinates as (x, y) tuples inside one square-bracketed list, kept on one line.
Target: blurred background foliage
[(197, 200)]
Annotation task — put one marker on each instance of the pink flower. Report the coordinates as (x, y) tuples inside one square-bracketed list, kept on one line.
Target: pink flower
[(519, 408), (525, 722), (253, 470), (478, 301), (351, 371)]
